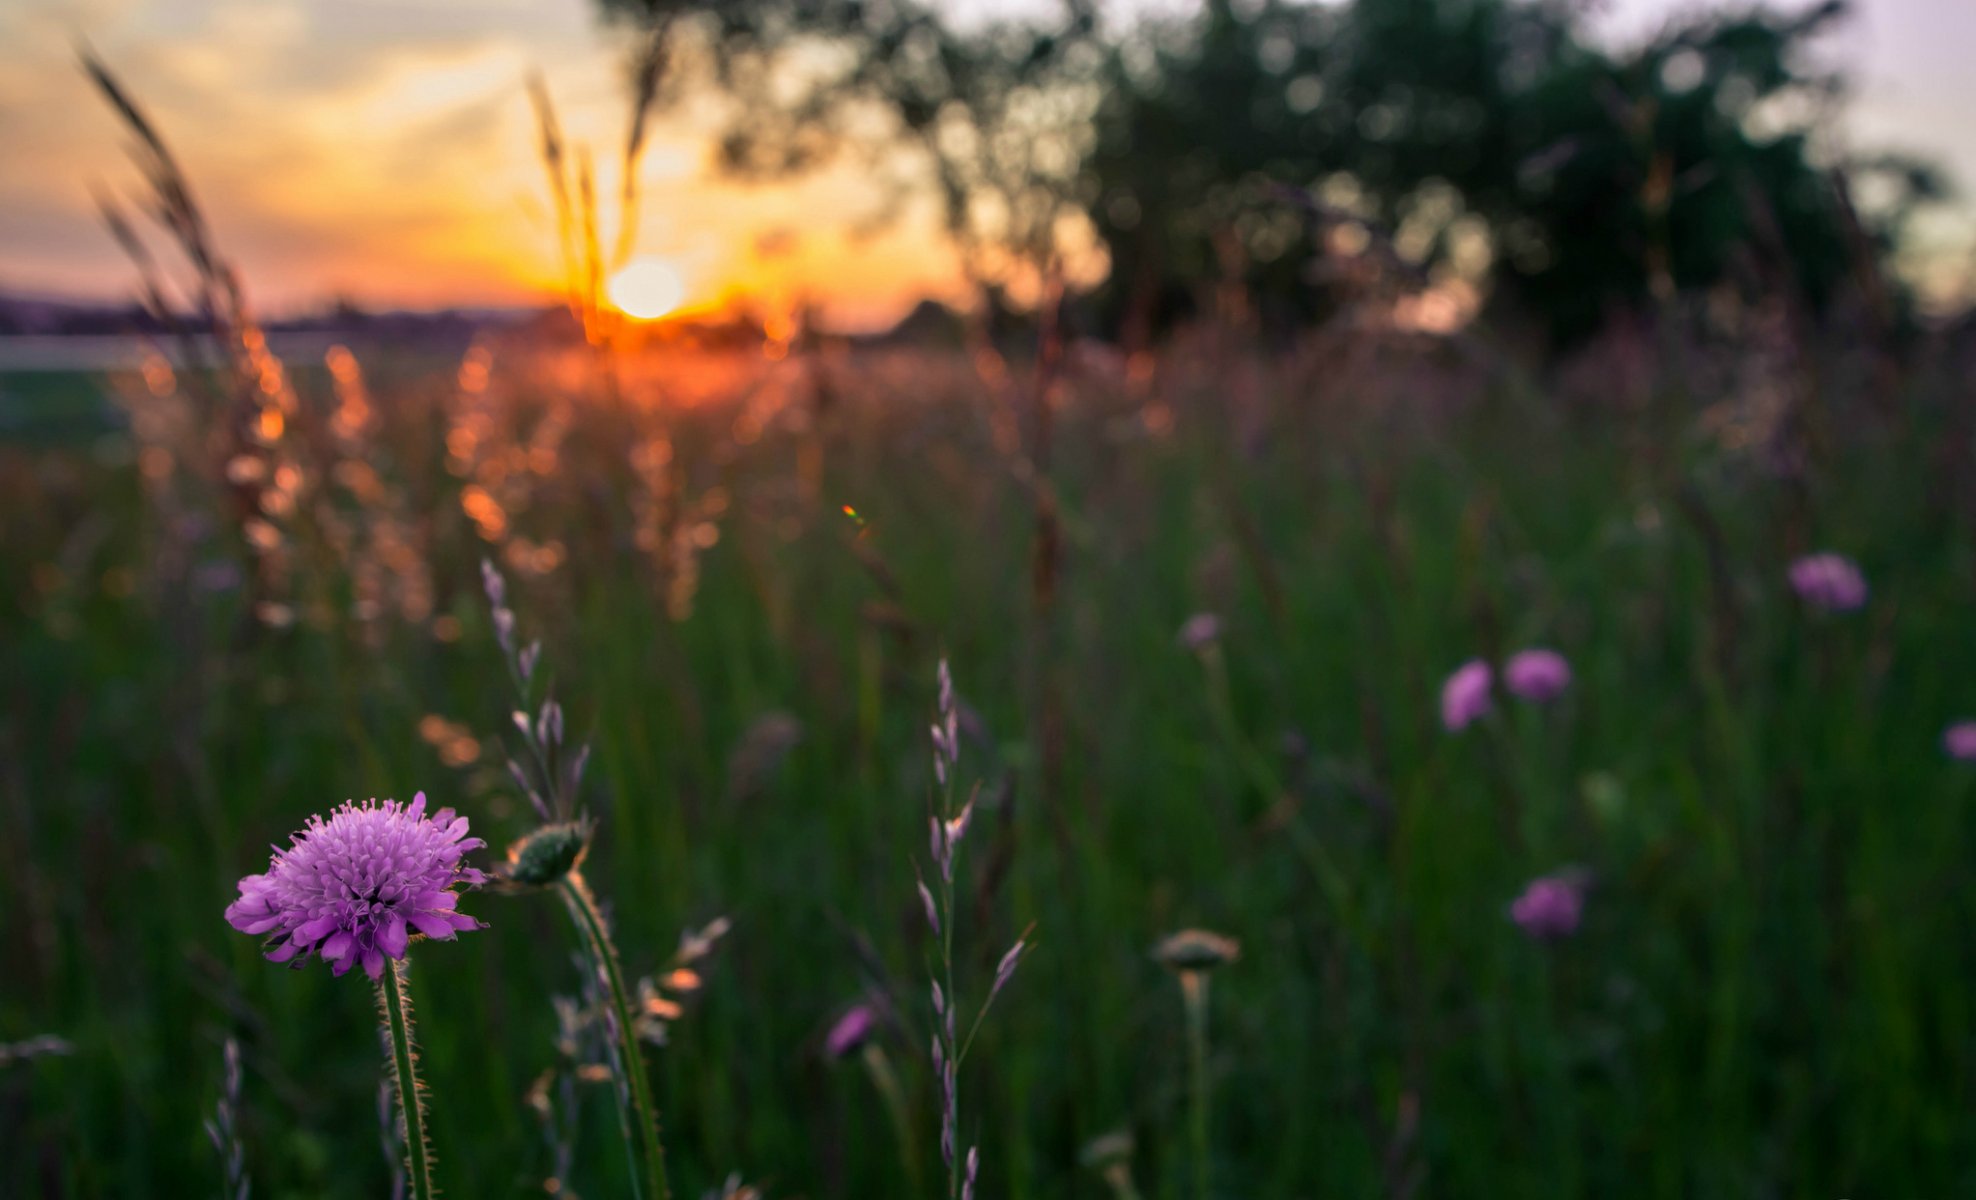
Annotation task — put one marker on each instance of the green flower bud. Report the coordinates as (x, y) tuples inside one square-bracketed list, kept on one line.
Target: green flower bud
[(547, 855), (1197, 950)]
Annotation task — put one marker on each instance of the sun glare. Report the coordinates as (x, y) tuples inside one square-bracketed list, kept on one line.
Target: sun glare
[(647, 289)]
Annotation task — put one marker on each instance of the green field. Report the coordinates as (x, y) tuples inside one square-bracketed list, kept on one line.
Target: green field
[(1770, 994)]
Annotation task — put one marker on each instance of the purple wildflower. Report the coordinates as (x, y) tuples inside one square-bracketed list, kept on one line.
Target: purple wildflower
[(1539, 675), (1550, 907), (851, 1031), (1465, 696), (1959, 741), (1200, 631), (1829, 581), (355, 886)]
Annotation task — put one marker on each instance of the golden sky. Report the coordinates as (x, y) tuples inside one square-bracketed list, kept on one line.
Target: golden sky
[(385, 150)]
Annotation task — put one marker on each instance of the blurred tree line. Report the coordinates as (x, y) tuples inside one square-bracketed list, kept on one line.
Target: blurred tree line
[(1290, 150)]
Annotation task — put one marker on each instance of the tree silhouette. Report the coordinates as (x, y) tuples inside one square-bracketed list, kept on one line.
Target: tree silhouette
[(1486, 139)]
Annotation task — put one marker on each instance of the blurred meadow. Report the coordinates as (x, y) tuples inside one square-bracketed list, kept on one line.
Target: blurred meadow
[(1203, 545)]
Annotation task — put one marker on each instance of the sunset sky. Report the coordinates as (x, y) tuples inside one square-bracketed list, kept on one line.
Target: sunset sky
[(384, 150)]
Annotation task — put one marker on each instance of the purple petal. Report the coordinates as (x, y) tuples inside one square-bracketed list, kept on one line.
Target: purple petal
[(314, 931), (434, 925), (391, 937), (261, 924)]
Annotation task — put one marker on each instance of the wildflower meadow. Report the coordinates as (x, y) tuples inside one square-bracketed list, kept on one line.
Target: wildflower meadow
[(1369, 760)]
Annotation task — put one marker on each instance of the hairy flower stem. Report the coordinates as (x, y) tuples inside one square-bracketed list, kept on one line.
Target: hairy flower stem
[(394, 1002), (1194, 991), (590, 922)]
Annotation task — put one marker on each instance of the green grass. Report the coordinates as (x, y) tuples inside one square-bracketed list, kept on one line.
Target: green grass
[(1770, 994)]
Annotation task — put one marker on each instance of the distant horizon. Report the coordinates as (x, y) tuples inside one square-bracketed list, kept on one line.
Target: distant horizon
[(704, 316)]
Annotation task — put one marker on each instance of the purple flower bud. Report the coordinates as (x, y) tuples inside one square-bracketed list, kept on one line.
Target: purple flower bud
[(1539, 675), (850, 1031), (1465, 696), (1959, 741), (529, 654), (1550, 907), (939, 998), (496, 587), (504, 629), (1829, 581)]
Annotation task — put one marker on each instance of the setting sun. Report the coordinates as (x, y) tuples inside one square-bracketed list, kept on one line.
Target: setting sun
[(647, 289)]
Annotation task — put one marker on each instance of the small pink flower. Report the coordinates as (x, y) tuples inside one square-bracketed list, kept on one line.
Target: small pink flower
[(1539, 675), (1959, 741), (1550, 907), (1465, 696), (1829, 581)]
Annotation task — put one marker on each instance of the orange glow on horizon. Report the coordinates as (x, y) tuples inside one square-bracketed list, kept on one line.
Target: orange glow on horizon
[(647, 289)]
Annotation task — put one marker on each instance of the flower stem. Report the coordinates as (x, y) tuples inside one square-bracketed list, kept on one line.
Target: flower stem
[(394, 1002), (631, 1062), (886, 1080), (1194, 990)]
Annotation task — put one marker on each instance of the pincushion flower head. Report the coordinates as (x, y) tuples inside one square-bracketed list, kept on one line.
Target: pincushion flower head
[(1465, 696), (353, 887), (1551, 906), (1959, 741), (1829, 581), (1537, 675)]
